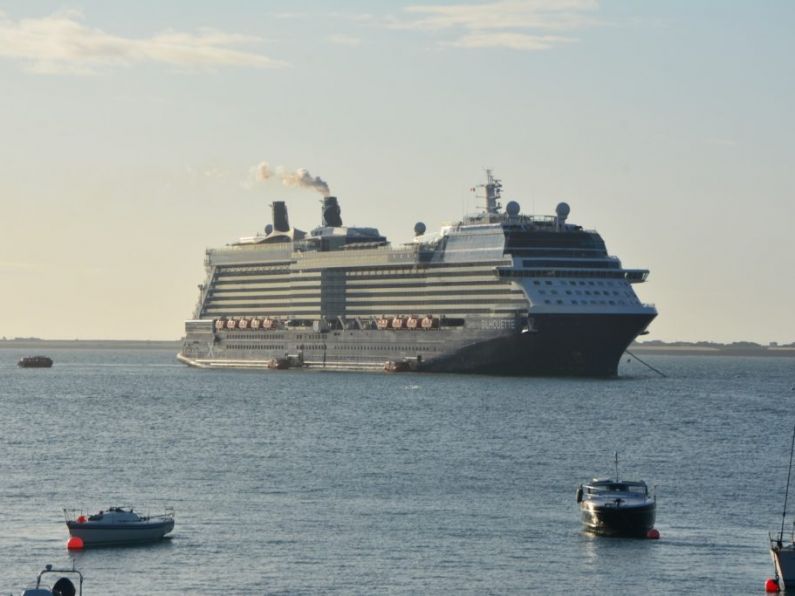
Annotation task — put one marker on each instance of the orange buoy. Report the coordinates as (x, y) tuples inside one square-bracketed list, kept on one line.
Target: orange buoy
[(654, 534), (75, 543), (81, 519), (771, 585)]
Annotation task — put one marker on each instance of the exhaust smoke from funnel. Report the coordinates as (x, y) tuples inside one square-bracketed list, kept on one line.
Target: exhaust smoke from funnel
[(302, 177), (299, 178), (263, 171)]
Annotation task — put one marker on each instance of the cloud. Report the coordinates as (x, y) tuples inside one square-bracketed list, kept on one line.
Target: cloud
[(514, 24), (514, 41), (62, 44), (345, 40)]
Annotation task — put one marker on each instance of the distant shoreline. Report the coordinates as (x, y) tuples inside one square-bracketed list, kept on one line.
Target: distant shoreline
[(91, 344), (784, 351), (744, 349)]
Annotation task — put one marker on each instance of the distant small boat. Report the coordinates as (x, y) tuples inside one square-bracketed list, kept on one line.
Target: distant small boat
[(784, 553), (64, 586), (395, 366), (279, 363), (617, 507), (117, 526), (35, 362)]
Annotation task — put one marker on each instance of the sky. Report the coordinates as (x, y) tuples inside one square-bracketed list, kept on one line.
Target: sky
[(132, 134)]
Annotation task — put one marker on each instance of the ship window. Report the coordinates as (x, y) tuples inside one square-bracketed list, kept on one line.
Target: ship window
[(574, 302), (546, 302), (568, 292), (612, 302), (560, 301), (549, 283)]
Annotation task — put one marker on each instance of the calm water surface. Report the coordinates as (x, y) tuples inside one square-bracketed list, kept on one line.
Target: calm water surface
[(313, 483)]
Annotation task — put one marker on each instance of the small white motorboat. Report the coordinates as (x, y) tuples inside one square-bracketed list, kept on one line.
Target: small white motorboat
[(118, 526), (63, 586)]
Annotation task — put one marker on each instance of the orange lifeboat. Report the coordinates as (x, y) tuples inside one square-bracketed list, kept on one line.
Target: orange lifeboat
[(429, 323), (219, 324), (397, 323), (255, 323), (411, 323), (243, 323), (231, 324), (267, 323), (382, 323)]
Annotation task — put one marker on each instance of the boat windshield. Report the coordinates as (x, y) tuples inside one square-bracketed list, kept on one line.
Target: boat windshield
[(613, 487)]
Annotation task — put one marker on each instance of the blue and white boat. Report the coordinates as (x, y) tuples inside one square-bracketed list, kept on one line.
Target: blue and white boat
[(119, 526)]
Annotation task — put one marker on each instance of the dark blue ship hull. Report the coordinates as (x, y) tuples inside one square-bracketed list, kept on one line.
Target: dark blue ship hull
[(565, 345)]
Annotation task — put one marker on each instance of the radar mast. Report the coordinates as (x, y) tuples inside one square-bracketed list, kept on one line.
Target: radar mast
[(493, 188)]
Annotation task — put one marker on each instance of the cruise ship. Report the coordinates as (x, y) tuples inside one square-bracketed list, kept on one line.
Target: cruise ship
[(498, 293)]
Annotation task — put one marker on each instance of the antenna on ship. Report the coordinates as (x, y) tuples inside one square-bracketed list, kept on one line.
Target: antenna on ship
[(617, 478), (493, 189)]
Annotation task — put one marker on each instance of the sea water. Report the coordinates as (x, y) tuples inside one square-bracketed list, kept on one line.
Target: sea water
[(298, 482)]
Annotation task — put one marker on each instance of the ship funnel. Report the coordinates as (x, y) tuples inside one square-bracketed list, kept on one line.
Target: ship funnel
[(331, 212), (280, 221)]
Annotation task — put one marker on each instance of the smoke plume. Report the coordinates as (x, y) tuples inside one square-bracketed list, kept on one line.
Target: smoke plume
[(299, 178), (302, 177), (263, 171)]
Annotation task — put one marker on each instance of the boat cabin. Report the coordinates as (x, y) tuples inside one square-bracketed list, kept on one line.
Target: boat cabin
[(616, 486)]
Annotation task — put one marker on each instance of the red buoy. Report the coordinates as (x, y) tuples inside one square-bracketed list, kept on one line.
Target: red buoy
[(654, 534), (81, 519), (75, 543), (771, 585)]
